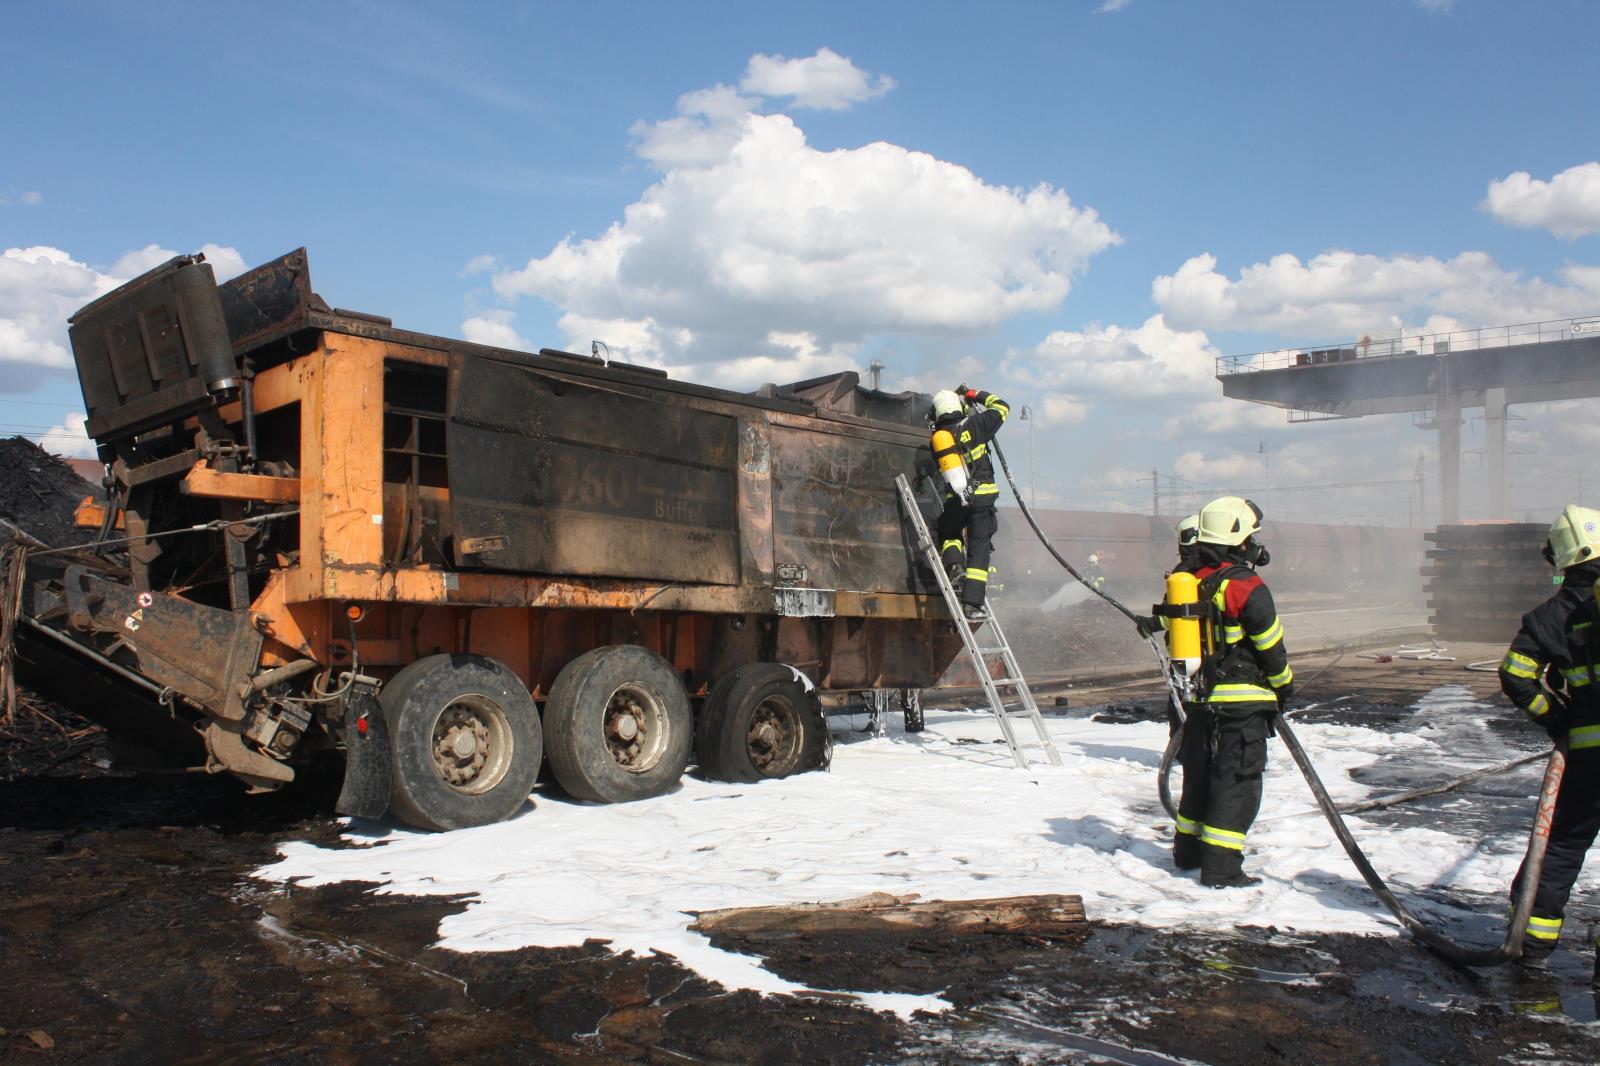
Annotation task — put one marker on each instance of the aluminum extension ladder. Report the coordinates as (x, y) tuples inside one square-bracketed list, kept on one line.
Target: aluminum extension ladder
[(980, 655)]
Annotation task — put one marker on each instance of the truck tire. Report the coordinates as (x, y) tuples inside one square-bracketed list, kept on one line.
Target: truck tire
[(617, 725), (464, 739), (760, 722)]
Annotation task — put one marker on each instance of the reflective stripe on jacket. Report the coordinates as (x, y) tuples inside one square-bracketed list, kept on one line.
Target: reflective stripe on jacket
[(1251, 657), (1559, 634)]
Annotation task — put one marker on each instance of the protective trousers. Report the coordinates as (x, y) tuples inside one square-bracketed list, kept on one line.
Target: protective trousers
[(1572, 831), (1223, 755), (972, 561)]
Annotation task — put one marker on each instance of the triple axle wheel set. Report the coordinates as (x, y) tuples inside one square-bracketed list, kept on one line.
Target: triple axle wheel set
[(468, 743)]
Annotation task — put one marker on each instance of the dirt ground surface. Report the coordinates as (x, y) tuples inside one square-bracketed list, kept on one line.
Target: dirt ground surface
[(130, 931)]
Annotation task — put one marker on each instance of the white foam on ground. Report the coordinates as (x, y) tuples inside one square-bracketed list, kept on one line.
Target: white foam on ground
[(936, 815)]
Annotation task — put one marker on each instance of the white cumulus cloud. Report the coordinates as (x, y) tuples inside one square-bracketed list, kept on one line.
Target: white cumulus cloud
[(1568, 205), (752, 234), (826, 81), (225, 262), (1343, 292), (68, 438), (1223, 416), (40, 287), (1118, 363), (494, 328)]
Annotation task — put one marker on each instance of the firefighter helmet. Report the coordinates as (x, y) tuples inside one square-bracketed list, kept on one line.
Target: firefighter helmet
[(945, 404), (1228, 520), (1188, 530), (1574, 537)]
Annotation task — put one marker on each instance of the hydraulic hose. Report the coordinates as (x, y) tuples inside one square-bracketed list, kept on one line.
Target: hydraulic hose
[(1532, 863), (1538, 837), (1174, 698), (994, 446)]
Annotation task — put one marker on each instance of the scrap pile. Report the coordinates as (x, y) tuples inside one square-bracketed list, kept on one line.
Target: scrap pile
[(38, 494)]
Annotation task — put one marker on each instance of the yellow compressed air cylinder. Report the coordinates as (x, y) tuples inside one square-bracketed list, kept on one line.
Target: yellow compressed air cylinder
[(1183, 634), (950, 464)]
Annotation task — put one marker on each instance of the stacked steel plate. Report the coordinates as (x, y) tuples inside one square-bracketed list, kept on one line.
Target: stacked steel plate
[(1481, 578)]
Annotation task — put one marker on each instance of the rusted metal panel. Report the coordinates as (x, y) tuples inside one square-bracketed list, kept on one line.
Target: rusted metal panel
[(836, 517), (202, 652), (588, 481), (152, 350), (270, 299), (755, 501), (341, 464)]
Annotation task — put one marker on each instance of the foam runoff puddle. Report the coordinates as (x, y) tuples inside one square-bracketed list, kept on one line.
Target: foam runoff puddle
[(947, 815)]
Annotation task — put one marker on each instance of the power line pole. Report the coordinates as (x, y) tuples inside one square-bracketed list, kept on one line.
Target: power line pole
[(1155, 492)]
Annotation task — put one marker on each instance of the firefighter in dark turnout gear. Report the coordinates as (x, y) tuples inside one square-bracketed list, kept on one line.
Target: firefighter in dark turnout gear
[(1188, 542), (972, 417), (1245, 679), (1560, 642)]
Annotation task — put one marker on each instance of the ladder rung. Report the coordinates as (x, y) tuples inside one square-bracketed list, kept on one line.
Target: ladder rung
[(1023, 705)]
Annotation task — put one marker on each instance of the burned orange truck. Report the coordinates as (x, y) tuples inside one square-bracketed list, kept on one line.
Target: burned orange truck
[(454, 564)]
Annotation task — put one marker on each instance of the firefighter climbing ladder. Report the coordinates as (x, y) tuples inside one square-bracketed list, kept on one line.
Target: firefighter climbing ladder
[(988, 629)]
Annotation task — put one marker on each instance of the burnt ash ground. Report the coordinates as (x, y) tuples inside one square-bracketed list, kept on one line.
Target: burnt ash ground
[(130, 931)]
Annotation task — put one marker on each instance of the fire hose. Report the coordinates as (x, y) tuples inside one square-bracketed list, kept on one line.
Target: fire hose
[(1538, 837)]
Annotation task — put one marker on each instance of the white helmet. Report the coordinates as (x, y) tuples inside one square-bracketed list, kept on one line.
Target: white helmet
[(1094, 560), (945, 404), (1189, 529), (1574, 537), (1229, 520)]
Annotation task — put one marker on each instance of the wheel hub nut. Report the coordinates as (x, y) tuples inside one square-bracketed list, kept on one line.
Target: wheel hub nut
[(465, 744), (627, 726)]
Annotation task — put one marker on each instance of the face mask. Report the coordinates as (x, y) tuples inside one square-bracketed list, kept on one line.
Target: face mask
[(1256, 554)]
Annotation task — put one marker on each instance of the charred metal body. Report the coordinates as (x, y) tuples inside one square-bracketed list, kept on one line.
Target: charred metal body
[(375, 497)]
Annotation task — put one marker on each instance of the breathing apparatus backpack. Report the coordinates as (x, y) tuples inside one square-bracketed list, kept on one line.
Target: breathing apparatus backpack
[(952, 461), (1195, 640)]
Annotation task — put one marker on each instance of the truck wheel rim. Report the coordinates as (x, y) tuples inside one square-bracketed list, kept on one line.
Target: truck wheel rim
[(636, 728), (472, 744), (773, 739)]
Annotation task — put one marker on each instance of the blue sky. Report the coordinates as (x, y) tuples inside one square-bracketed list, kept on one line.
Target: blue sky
[(988, 192)]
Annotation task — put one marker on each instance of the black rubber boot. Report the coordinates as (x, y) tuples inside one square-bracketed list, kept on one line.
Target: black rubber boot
[(1238, 880), (1536, 953), (1186, 851), (1223, 868)]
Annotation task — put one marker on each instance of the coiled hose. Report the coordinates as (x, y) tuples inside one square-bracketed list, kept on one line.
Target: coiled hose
[(1538, 837)]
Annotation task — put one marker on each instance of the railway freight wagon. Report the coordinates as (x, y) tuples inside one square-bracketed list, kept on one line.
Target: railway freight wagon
[(1376, 564), (453, 564)]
